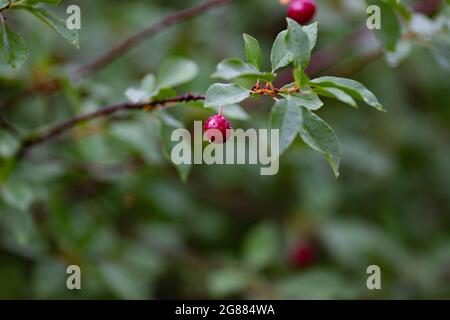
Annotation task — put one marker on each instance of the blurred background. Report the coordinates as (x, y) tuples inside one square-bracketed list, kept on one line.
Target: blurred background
[(104, 197)]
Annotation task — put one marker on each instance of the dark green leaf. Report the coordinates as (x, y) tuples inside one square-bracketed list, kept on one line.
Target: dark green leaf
[(253, 51), (261, 247), (233, 68), (225, 282), (123, 281), (17, 194), (286, 116), (148, 83), (351, 87), (338, 94), (59, 25), (12, 46), (307, 99), (176, 71), (280, 55), (8, 144), (33, 2), (317, 134), (220, 94), (312, 30), (390, 31), (136, 95), (297, 42)]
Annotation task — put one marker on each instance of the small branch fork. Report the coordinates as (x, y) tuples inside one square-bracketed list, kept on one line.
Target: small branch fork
[(60, 128), (270, 90)]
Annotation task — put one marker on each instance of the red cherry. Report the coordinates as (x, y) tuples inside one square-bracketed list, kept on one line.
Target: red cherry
[(303, 254), (302, 11), (220, 123)]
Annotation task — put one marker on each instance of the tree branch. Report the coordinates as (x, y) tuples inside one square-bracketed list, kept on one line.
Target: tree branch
[(36, 139), (116, 52), (137, 38)]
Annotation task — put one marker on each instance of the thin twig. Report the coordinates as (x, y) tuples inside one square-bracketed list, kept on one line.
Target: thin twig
[(270, 90), (60, 128), (119, 50), (137, 38)]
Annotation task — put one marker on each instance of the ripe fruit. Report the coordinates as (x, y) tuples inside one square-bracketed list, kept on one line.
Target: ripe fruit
[(220, 123), (303, 254), (302, 11)]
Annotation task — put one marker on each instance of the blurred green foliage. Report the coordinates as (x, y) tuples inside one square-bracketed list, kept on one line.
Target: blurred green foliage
[(103, 197)]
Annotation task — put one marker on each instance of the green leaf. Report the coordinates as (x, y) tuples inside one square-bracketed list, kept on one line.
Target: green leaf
[(280, 56), (123, 281), (233, 111), (233, 68), (337, 94), (390, 31), (253, 51), (297, 42), (307, 99), (138, 136), (401, 8), (176, 71), (286, 116), (4, 3), (352, 243), (8, 144), (12, 46), (220, 94), (17, 194), (168, 124), (312, 30), (59, 25), (351, 87), (149, 90), (315, 284), (261, 246), (225, 282), (136, 95), (18, 225), (148, 83), (33, 2), (317, 134)]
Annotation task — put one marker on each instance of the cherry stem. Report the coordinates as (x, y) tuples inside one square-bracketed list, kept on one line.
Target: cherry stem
[(270, 90)]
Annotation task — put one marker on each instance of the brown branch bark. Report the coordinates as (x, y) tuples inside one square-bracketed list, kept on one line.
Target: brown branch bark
[(137, 38), (60, 128), (53, 85)]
